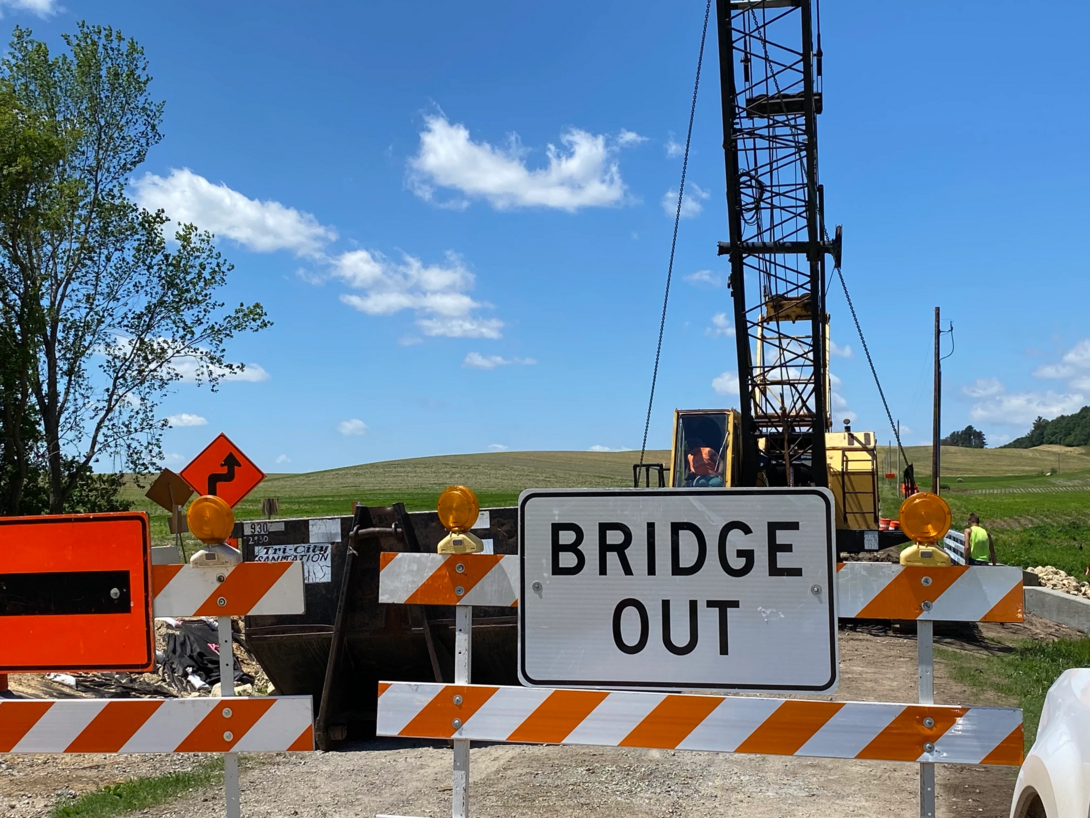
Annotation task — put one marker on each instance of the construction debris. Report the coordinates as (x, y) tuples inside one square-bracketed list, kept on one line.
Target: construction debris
[(1058, 580)]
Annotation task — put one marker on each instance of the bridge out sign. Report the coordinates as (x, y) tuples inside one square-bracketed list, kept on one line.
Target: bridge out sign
[(723, 589)]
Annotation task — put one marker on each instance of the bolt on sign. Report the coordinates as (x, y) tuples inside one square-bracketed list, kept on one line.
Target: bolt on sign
[(722, 589), (75, 593), (223, 471)]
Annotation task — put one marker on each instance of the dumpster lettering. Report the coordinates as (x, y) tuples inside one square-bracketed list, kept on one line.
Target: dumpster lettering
[(314, 556)]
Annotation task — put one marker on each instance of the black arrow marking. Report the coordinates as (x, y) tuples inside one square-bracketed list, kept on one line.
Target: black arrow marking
[(230, 463)]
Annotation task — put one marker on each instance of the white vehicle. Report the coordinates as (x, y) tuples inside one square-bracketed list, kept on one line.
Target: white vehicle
[(1054, 781)]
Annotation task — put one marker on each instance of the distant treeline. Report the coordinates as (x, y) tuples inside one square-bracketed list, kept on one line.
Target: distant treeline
[(1065, 430)]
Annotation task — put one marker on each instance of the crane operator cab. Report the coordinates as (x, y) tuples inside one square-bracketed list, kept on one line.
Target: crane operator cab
[(706, 453), (702, 455)]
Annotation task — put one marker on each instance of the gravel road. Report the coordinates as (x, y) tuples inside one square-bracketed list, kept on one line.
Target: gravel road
[(413, 778)]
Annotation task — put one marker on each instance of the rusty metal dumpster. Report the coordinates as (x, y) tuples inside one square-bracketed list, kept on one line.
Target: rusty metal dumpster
[(346, 641)]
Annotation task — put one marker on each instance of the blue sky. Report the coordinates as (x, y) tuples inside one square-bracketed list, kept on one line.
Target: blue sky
[(454, 215)]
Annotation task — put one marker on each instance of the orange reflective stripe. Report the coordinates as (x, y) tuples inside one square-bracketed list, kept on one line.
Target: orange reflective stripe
[(1008, 609), (161, 575), (16, 719), (439, 587), (436, 719), (382, 687), (554, 719), (788, 728), (670, 722), (904, 738), (304, 743), (244, 589), (907, 592), (210, 736), (114, 725), (385, 558), (1010, 752)]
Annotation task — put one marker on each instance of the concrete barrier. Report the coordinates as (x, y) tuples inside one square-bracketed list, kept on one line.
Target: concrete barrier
[(1057, 606)]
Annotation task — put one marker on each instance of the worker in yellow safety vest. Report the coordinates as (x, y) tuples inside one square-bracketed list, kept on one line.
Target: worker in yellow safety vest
[(978, 543)]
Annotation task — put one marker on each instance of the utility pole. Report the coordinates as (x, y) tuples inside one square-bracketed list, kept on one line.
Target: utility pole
[(936, 435)]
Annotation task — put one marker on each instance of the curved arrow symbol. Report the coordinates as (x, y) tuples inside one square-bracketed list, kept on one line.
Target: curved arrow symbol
[(230, 463)]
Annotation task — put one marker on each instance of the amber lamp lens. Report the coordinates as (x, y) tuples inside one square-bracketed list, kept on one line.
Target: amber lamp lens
[(458, 509), (925, 518), (210, 519)]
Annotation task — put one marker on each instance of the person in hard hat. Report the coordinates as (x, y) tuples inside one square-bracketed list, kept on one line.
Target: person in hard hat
[(703, 465), (978, 543)]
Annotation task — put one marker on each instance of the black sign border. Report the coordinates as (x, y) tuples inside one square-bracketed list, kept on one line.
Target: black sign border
[(673, 686)]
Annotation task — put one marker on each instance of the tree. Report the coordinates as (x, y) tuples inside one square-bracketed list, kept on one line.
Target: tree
[(109, 313), (1064, 430), (968, 438)]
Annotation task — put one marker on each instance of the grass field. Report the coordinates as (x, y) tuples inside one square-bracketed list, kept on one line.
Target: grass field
[(1035, 517)]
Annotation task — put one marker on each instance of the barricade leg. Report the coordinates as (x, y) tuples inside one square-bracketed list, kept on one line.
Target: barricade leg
[(926, 663), (227, 688), (463, 663)]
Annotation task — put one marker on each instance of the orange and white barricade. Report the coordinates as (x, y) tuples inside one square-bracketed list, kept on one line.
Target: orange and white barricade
[(226, 725), (924, 733)]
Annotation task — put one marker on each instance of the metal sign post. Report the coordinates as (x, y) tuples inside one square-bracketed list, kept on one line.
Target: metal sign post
[(463, 664), (227, 689), (926, 666)]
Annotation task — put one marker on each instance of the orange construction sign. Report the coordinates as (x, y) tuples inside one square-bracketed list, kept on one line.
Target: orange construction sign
[(75, 593), (224, 471)]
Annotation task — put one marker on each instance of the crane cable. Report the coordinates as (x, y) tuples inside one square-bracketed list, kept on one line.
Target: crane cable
[(873, 371), (673, 244)]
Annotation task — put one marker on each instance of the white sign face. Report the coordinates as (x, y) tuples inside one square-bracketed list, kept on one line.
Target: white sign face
[(691, 589)]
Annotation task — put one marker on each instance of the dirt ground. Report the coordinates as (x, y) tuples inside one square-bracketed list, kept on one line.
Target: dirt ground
[(400, 777)]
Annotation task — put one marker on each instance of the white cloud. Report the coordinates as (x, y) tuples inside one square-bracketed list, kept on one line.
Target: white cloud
[(283, 460), (838, 351), (173, 459), (983, 388), (186, 419), (627, 138), (691, 206), (600, 448), (1081, 383), (998, 439), (409, 340), (1024, 407), (1054, 371), (704, 278), (726, 384), (188, 367), (263, 227), (834, 381), (436, 293), (583, 172), (498, 447), (1079, 355), (475, 360), (720, 327), (40, 8), (840, 409), (674, 149), (352, 428)]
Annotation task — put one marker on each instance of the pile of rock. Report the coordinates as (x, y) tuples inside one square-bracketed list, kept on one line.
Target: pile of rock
[(1057, 580)]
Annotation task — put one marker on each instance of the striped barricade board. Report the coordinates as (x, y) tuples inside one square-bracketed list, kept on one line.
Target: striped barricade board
[(196, 725), (879, 731), (866, 590), (956, 593), (251, 588)]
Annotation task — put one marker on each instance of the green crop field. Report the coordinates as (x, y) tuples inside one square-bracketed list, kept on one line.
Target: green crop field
[(1035, 517)]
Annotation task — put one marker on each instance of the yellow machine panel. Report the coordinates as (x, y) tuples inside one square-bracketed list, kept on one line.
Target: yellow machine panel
[(852, 458)]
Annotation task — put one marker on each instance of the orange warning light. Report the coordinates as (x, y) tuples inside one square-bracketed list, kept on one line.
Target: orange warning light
[(925, 517), (210, 519), (458, 509)]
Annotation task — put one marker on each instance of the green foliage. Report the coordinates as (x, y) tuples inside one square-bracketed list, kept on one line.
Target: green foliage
[(1024, 673), (1065, 430), (141, 793), (106, 315), (1061, 545), (968, 438)]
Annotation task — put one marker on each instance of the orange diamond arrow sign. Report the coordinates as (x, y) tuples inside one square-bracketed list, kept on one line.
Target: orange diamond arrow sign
[(224, 471)]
